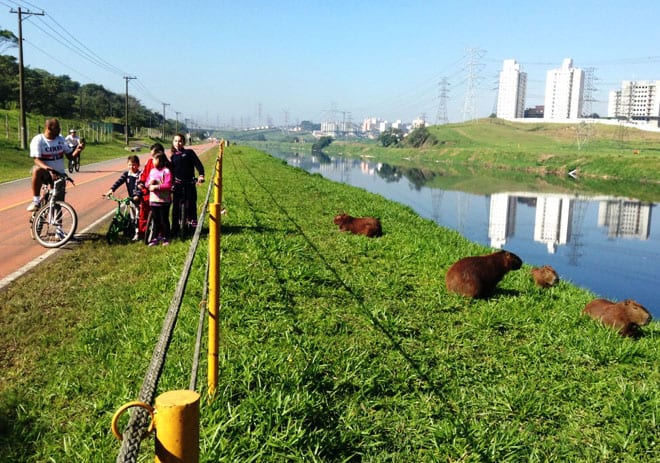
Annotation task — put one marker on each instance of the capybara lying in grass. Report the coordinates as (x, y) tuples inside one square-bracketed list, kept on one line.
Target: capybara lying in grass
[(477, 276), (545, 276), (368, 226), (626, 316)]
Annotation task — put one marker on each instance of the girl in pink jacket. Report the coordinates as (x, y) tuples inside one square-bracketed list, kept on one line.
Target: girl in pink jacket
[(159, 184)]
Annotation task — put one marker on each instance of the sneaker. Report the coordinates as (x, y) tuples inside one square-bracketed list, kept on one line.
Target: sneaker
[(154, 242), (165, 242), (136, 237), (33, 206)]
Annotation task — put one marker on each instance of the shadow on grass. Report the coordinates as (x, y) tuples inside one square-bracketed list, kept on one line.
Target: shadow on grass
[(18, 430)]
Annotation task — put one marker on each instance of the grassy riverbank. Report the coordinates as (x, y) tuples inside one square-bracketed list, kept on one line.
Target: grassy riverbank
[(592, 150), (334, 347)]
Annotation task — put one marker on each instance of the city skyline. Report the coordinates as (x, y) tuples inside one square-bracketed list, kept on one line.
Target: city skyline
[(251, 62)]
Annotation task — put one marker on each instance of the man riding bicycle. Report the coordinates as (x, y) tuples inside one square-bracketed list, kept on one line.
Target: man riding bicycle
[(184, 162), (48, 150)]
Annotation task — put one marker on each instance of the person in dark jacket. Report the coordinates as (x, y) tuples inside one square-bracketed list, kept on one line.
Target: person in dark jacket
[(184, 161), (129, 178)]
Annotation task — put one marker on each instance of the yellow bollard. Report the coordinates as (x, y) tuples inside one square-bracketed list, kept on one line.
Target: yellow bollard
[(177, 427)]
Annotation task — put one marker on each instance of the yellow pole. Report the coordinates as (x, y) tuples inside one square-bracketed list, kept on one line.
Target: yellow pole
[(214, 275), (177, 427)]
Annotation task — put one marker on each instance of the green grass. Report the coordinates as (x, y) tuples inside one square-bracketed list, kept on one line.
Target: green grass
[(334, 347)]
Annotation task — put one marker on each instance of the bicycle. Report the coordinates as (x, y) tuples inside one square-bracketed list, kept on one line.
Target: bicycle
[(74, 163), (124, 220), (54, 222), (186, 227)]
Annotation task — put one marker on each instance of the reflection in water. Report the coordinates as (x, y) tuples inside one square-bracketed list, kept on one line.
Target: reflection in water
[(602, 243), (559, 218)]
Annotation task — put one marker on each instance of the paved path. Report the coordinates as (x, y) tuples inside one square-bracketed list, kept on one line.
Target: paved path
[(19, 252)]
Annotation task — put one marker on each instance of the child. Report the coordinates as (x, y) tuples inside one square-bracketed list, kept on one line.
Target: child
[(130, 178), (159, 184), (144, 205)]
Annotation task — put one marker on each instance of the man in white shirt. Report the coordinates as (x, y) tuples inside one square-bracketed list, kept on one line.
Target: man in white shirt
[(48, 150)]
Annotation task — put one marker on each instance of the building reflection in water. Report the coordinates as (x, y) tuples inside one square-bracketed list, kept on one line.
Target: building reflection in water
[(558, 218)]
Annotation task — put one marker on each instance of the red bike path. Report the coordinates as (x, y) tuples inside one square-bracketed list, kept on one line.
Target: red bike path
[(19, 253)]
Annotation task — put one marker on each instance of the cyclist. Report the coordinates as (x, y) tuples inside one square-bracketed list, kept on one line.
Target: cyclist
[(74, 141), (48, 150), (130, 178), (184, 162)]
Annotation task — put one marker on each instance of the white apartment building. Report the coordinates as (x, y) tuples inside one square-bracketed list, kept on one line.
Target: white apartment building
[(511, 91), (636, 101), (564, 88)]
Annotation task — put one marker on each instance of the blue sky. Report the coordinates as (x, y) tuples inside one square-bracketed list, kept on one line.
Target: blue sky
[(247, 62)]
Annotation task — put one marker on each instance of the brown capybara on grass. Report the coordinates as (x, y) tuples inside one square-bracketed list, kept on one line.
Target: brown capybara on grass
[(368, 226), (545, 276), (477, 276), (626, 316)]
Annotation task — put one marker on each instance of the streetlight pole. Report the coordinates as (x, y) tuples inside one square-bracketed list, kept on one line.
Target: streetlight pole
[(127, 78), (164, 104), (21, 80)]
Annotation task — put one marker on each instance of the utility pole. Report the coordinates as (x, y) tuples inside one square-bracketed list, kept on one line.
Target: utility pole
[(164, 104), (21, 82), (127, 78)]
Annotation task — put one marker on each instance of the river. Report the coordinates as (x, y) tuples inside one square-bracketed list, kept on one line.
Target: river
[(606, 244)]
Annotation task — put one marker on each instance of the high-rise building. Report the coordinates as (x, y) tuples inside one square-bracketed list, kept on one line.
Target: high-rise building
[(636, 101), (511, 91), (564, 89)]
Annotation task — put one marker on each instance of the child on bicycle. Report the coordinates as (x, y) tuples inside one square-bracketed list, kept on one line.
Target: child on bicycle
[(130, 178), (184, 162), (159, 184)]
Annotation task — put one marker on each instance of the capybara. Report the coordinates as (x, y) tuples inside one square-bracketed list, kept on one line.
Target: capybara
[(545, 276), (477, 276), (368, 226), (626, 316)]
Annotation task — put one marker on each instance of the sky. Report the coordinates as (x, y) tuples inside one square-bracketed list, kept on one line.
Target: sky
[(248, 63)]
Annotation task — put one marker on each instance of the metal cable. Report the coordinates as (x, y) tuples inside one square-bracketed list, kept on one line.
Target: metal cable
[(139, 421)]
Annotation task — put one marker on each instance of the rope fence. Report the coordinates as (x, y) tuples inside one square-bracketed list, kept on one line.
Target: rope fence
[(139, 422)]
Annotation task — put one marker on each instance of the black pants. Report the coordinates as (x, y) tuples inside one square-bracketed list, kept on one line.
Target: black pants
[(161, 214), (184, 191)]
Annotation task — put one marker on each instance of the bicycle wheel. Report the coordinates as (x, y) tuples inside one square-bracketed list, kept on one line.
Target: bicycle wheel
[(76, 163), (71, 166), (149, 232), (113, 231), (54, 227)]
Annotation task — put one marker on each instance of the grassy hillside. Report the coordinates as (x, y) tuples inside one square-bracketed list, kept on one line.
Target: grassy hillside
[(334, 347), (608, 152)]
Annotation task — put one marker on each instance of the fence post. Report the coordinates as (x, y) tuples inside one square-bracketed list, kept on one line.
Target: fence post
[(177, 427), (215, 210)]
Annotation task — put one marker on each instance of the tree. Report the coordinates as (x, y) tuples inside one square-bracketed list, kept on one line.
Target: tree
[(420, 137), (321, 143), (7, 39), (8, 82), (309, 126), (390, 137)]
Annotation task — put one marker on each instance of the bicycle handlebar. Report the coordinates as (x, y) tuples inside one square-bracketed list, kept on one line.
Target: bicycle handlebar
[(63, 175)]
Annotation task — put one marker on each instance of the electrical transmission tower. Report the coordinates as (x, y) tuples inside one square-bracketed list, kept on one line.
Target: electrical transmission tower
[(472, 80), (441, 117), (585, 129), (589, 90)]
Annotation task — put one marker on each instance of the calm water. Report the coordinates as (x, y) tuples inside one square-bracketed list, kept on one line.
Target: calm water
[(606, 244)]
